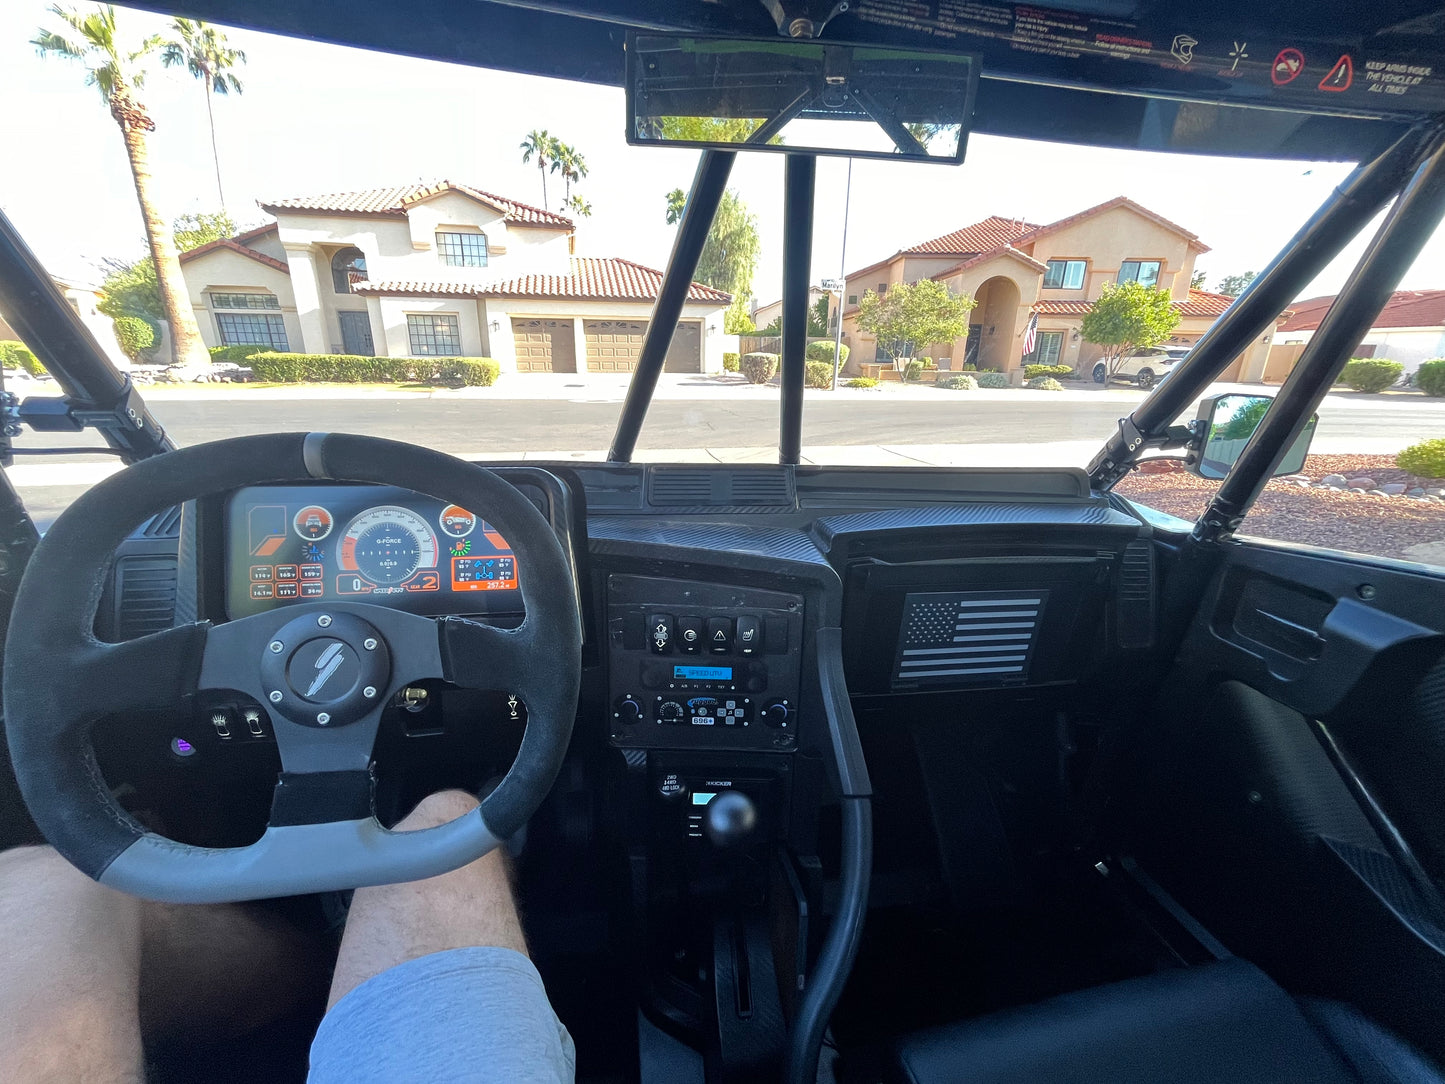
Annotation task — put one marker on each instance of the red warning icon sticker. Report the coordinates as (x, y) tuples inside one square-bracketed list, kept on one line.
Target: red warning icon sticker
[(1341, 75), (1287, 66)]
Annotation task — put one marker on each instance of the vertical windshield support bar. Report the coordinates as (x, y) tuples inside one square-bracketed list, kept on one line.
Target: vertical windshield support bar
[(1320, 240), (38, 311), (708, 185), (798, 181), (1407, 229)]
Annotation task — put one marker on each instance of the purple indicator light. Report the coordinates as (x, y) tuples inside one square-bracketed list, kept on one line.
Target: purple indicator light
[(182, 748)]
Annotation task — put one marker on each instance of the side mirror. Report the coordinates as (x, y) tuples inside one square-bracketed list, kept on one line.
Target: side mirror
[(1223, 427)]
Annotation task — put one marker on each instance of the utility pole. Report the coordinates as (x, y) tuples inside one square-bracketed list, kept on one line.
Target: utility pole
[(842, 279)]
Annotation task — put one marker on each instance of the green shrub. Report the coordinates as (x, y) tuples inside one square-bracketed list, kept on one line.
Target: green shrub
[(912, 370), (1430, 377), (355, 369), (1045, 383), (730, 362), (818, 374), (993, 380), (861, 382), (238, 354), (1427, 459), (959, 382), (1371, 374), (1062, 371), (822, 350), (14, 354), (969, 367), (758, 368), (134, 335)]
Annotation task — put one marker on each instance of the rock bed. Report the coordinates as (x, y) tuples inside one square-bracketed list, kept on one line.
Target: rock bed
[(1302, 508)]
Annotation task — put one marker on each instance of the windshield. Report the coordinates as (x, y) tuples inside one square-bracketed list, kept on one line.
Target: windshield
[(468, 259)]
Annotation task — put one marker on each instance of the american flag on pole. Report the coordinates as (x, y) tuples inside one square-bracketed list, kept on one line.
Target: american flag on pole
[(1031, 333)]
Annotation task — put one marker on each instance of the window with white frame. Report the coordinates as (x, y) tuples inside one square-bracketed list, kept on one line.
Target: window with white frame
[(1047, 349), (1142, 271), (243, 320), (1064, 275), (434, 334), (457, 249)]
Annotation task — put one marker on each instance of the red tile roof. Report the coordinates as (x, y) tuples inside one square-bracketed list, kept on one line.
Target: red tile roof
[(234, 245), (394, 202), (1109, 205), (591, 279), (993, 232), (984, 257), (1200, 303), (1406, 308)]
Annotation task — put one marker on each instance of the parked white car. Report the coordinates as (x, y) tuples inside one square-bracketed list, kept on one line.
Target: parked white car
[(1146, 368)]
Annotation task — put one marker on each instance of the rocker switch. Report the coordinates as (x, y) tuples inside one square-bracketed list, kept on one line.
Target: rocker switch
[(659, 633), (749, 636)]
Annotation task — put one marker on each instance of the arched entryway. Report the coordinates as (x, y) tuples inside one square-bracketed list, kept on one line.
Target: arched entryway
[(991, 324)]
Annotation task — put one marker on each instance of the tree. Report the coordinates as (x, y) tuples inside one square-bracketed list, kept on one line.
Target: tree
[(913, 315), (736, 319), (579, 206), (544, 147), (1129, 317), (1197, 281), (676, 201), (1233, 285), (134, 336), (818, 317), (568, 161), (203, 51), (130, 287), (118, 75), (713, 129)]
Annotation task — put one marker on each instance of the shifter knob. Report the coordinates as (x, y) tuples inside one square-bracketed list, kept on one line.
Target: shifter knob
[(730, 818)]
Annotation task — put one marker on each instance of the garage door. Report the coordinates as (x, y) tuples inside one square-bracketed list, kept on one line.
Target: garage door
[(544, 346), (613, 346)]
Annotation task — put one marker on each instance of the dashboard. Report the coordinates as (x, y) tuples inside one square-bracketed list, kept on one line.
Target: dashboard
[(356, 543)]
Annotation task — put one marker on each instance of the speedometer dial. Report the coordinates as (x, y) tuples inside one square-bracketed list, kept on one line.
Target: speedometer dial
[(387, 545)]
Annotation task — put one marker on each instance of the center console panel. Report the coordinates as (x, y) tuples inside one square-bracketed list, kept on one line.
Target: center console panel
[(696, 665)]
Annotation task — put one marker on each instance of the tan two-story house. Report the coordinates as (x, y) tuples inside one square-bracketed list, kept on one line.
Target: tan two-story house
[(438, 270), (1015, 269)]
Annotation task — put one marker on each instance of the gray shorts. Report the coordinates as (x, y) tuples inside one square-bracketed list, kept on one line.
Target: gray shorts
[(470, 1014)]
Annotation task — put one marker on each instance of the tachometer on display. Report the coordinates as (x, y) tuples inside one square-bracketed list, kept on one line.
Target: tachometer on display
[(386, 549)]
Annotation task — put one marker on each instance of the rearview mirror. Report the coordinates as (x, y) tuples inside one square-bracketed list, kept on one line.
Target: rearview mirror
[(1225, 424), (806, 97)]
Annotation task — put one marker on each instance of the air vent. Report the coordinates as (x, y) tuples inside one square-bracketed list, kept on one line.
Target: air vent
[(681, 487), (762, 487), (165, 524), (145, 595), (1136, 595), (721, 488)]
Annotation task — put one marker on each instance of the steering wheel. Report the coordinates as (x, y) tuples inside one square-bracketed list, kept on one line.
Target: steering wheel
[(322, 834)]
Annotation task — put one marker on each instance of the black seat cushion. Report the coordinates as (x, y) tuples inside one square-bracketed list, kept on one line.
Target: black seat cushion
[(1223, 1021)]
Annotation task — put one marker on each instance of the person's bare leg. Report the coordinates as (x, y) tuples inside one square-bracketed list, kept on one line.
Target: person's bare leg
[(86, 970), (390, 924), (69, 975)]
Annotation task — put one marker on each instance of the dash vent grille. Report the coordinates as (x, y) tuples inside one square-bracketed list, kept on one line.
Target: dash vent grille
[(1136, 595), (720, 488), (145, 595)]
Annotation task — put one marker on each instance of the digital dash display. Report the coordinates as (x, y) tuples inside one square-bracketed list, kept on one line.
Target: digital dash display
[(702, 673)]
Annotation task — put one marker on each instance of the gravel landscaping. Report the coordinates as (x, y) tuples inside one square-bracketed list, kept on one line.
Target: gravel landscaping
[(1380, 519)]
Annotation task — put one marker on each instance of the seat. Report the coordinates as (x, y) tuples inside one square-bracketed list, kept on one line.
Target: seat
[(1224, 1021)]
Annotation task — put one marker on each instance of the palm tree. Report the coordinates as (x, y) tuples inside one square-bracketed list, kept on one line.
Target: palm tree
[(118, 75), (202, 49), (676, 201), (579, 205), (544, 146), (573, 167)]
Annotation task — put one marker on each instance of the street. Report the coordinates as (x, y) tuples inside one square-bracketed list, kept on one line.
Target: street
[(1027, 429)]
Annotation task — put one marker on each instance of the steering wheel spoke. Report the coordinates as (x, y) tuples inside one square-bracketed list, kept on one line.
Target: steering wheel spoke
[(478, 656), (151, 673)]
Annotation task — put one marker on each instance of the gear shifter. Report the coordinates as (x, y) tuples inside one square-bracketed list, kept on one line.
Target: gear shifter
[(730, 818)]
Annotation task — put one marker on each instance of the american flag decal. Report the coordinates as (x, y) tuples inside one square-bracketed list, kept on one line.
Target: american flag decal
[(965, 636)]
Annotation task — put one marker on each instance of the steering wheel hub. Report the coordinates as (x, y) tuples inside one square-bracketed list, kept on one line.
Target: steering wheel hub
[(324, 669)]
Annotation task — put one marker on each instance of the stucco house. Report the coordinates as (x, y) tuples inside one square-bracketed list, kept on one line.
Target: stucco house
[(1409, 329), (438, 270), (764, 315), (1014, 269)]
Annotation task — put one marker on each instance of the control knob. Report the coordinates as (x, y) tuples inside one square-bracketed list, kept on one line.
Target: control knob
[(775, 713), (670, 711), (627, 709), (729, 818)]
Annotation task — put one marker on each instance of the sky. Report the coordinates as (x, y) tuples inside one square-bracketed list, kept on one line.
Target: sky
[(317, 118)]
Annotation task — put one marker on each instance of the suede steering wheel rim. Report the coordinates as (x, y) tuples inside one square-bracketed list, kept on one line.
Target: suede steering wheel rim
[(322, 835)]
